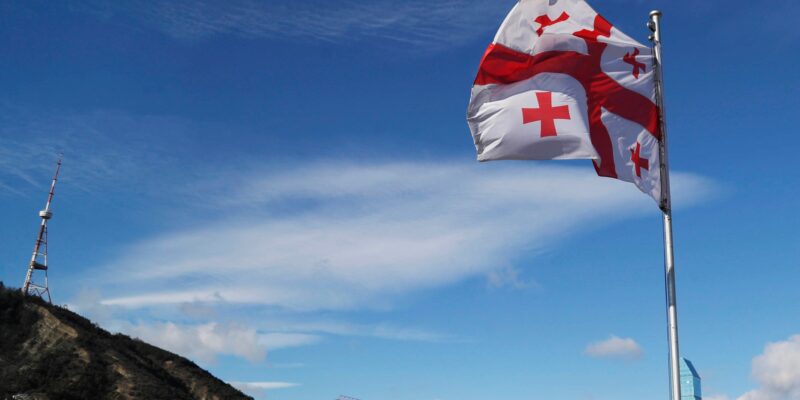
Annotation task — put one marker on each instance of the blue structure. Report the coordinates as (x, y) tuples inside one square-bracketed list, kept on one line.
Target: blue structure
[(690, 381)]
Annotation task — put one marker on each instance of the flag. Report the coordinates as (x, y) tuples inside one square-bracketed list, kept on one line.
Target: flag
[(561, 82)]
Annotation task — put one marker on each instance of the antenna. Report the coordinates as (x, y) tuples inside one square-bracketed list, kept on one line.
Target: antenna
[(39, 257)]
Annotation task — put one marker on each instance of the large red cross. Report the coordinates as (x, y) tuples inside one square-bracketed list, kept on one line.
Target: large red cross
[(544, 21), (546, 113), (639, 162), (631, 59)]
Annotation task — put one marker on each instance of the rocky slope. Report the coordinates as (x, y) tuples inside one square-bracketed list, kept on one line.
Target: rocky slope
[(50, 353)]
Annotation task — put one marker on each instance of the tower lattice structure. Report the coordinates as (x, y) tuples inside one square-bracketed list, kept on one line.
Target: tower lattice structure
[(39, 257)]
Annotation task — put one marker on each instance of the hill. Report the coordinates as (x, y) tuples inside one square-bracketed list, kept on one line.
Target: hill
[(50, 353)]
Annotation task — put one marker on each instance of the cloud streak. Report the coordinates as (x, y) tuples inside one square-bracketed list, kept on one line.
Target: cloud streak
[(339, 236), (380, 331), (414, 23), (103, 149)]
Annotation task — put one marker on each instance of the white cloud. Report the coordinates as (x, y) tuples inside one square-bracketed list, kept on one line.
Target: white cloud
[(615, 347), (258, 389), (208, 340), (777, 371), (344, 236), (203, 342), (412, 22), (350, 236), (334, 236)]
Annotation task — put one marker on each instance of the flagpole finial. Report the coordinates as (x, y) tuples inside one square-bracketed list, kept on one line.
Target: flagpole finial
[(653, 25)]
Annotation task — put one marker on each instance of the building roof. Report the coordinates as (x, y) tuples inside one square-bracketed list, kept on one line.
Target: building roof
[(687, 368)]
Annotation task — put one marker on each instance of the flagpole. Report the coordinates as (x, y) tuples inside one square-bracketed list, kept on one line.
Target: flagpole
[(666, 208)]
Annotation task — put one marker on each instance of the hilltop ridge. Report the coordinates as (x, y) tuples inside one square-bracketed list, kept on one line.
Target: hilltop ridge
[(48, 352)]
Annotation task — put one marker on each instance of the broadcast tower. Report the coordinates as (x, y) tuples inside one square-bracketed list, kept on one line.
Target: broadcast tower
[(39, 258)]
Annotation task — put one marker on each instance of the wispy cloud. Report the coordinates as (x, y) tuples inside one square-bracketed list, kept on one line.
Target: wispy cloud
[(289, 244), (212, 329), (336, 235), (206, 341), (615, 347), (509, 277), (380, 330), (413, 22), (264, 385), (102, 149), (282, 340), (203, 342)]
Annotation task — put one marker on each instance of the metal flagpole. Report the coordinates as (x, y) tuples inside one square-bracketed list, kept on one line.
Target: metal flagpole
[(666, 208)]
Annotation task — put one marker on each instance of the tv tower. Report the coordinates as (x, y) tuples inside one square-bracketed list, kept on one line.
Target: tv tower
[(39, 258)]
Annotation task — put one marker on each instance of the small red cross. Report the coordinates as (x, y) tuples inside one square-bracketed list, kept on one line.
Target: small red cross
[(601, 28), (545, 21), (546, 113), (638, 161), (631, 59)]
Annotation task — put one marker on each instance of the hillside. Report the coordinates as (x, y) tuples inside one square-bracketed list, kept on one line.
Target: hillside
[(50, 353)]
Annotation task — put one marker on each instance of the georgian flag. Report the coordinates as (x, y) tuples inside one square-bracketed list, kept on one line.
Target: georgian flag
[(561, 82)]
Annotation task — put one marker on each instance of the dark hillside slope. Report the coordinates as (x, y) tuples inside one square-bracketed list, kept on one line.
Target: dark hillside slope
[(50, 353)]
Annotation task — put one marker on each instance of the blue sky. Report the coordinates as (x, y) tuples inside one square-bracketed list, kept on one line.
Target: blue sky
[(286, 193)]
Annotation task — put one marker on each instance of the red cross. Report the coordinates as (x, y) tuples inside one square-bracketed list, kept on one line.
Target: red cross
[(545, 21), (631, 59), (546, 113), (638, 161)]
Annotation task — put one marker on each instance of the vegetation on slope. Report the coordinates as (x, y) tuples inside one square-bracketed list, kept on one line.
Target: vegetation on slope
[(49, 352)]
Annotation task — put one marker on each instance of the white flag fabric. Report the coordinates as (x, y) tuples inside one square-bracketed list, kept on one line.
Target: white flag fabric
[(561, 82)]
